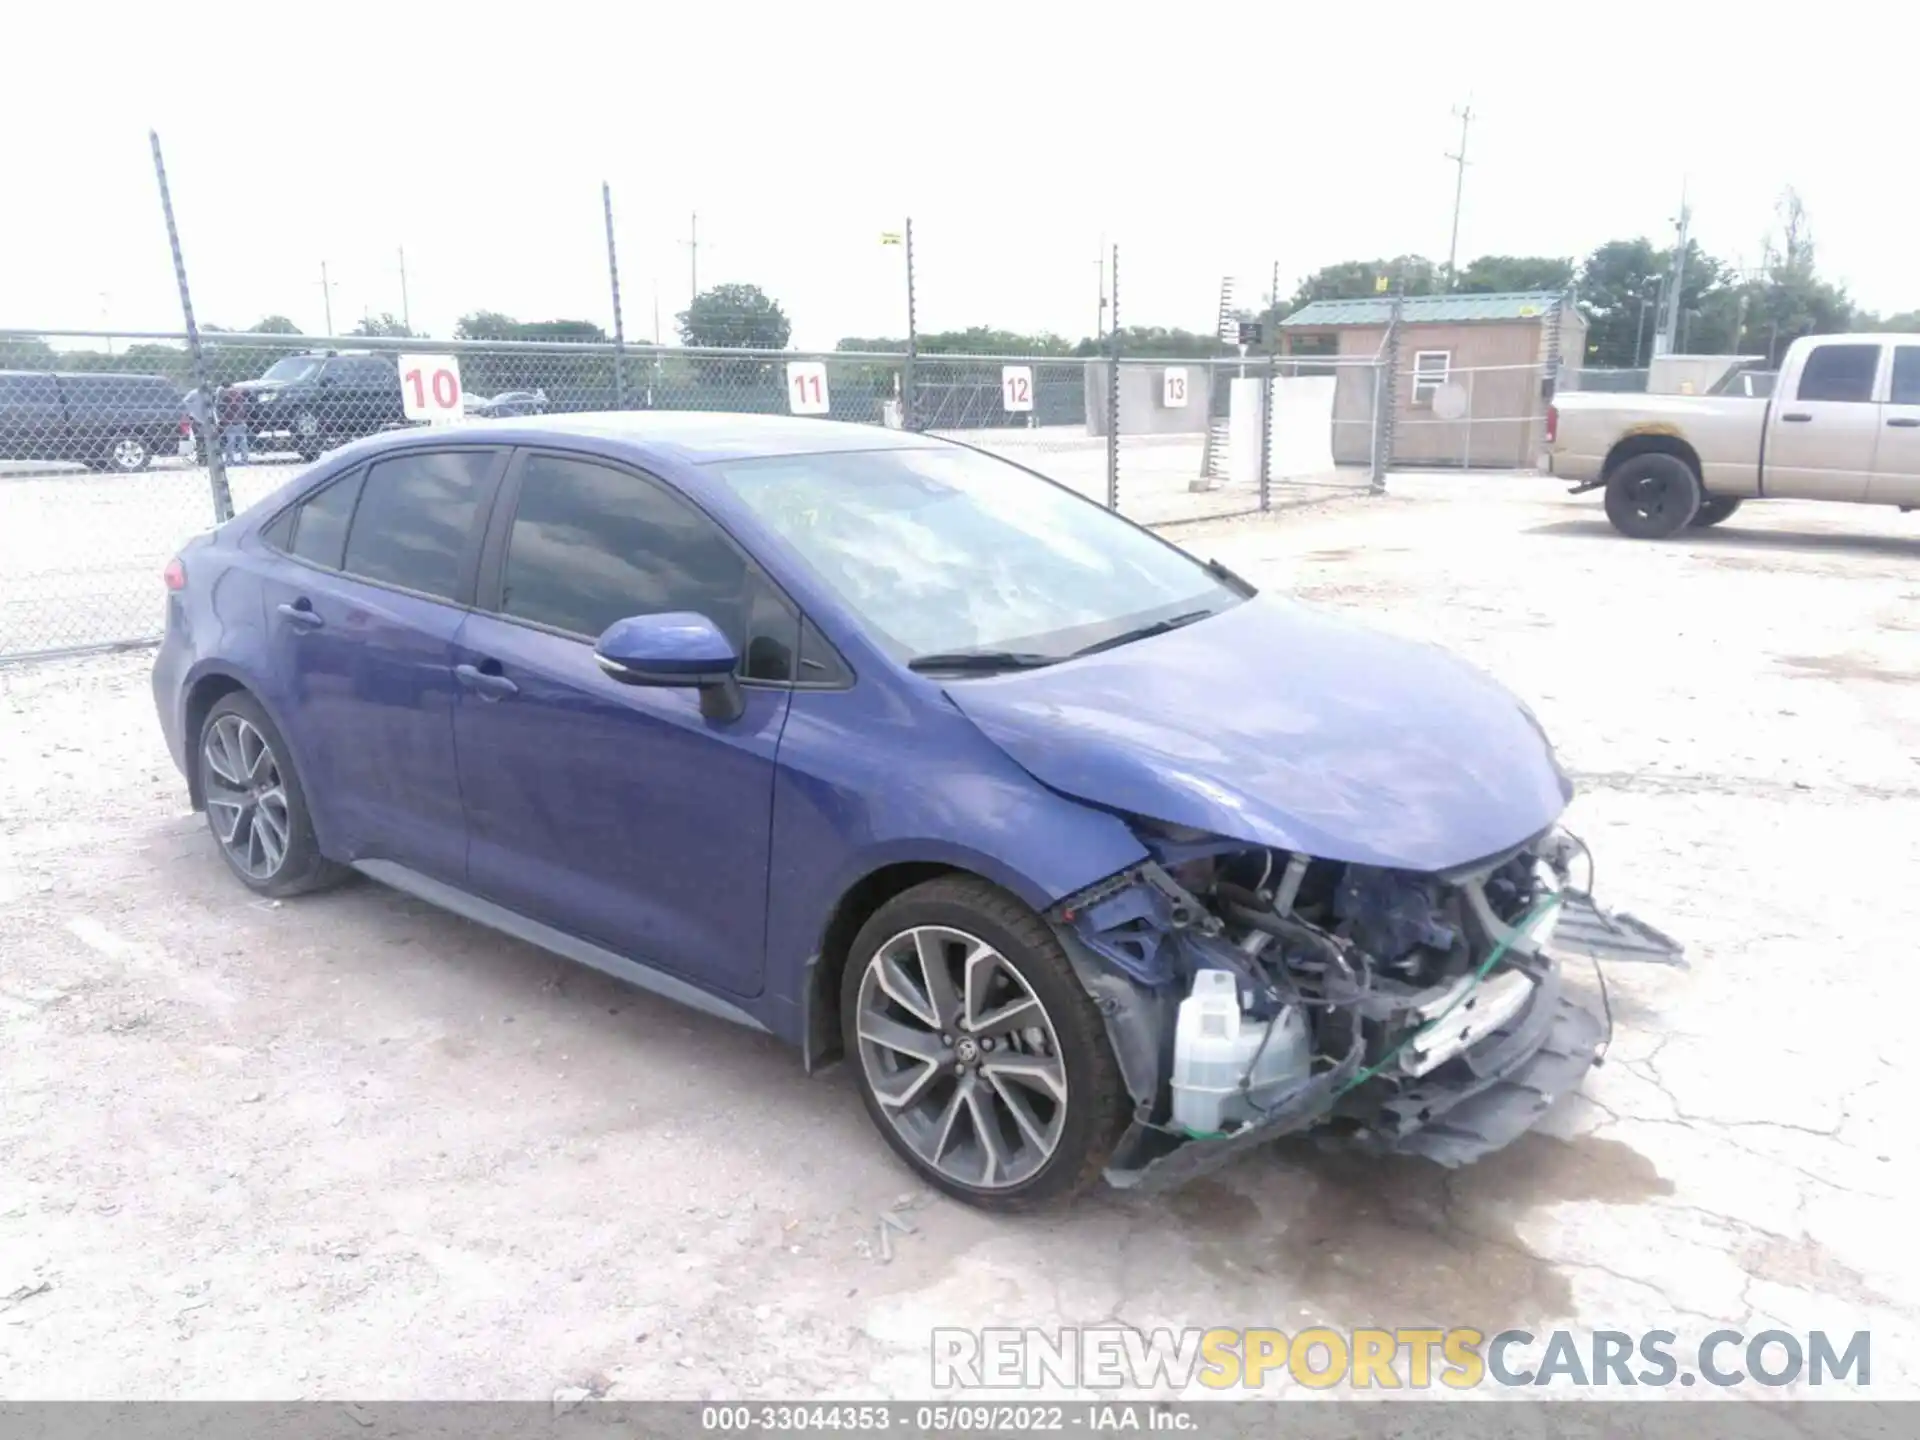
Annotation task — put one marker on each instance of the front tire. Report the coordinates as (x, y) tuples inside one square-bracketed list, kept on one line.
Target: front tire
[(980, 1057), (1714, 509), (1652, 497), (255, 806), (309, 436)]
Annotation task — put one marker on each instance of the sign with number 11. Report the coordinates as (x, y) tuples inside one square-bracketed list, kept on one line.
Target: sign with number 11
[(806, 387)]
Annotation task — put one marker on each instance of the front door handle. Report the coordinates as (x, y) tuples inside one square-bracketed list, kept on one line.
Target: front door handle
[(1797, 417), (302, 615), (489, 687), (1905, 422)]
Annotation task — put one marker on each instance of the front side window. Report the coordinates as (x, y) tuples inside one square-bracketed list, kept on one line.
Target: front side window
[(1839, 372), (945, 550), (592, 544), (414, 518)]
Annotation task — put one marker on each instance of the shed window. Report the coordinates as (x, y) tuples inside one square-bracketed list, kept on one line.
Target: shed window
[(1429, 374)]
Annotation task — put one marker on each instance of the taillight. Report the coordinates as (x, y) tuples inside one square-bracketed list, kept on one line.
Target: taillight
[(175, 574), (186, 426), (1553, 422)]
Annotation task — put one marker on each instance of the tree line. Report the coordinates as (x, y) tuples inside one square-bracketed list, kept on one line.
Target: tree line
[(1619, 288)]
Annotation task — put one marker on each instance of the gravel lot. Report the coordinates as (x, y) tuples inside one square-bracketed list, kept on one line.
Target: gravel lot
[(351, 1147)]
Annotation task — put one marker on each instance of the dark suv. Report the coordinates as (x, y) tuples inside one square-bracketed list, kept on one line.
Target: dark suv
[(322, 399), (110, 422)]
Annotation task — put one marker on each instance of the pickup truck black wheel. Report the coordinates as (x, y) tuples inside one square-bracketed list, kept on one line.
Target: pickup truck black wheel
[(1713, 510), (1651, 497)]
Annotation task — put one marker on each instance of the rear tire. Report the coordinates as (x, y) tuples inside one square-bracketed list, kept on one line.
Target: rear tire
[(1024, 1053), (127, 455), (1713, 510), (254, 803), (1652, 497)]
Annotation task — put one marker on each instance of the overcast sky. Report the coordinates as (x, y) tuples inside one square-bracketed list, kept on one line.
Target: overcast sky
[(1203, 139)]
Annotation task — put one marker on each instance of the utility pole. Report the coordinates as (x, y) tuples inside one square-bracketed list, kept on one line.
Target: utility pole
[(908, 385), (1670, 328), (692, 242), (406, 311), (1100, 316), (326, 295), (1465, 117)]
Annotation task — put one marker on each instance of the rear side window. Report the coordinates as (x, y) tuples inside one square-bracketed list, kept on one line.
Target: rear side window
[(28, 390), (1906, 375), (320, 525), (121, 394), (1839, 372), (414, 518)]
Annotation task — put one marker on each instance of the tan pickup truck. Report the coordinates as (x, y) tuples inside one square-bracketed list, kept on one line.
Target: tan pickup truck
[(1842, 422)]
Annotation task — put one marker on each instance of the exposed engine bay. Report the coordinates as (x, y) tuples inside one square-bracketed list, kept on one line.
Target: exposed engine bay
[(1252, 993)]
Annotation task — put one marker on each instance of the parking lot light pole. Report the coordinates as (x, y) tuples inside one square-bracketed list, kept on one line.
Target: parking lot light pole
[(209, 428)]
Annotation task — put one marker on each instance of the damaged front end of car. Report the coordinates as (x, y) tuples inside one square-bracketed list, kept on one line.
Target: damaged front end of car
[(1251, 993)]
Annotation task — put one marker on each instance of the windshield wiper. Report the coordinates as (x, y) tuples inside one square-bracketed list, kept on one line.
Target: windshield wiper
[(981, 662), (1158, 627)]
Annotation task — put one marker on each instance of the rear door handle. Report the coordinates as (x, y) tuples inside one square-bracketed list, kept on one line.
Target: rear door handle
[(1904, 422), (303, 616), (489, 687), (1798, 417)]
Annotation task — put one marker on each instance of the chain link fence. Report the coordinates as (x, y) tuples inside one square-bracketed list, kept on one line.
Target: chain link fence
[(105, 441)]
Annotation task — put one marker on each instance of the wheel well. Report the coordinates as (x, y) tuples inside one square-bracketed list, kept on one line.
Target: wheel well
[(206, 692), (1636, 445), (856, 907)]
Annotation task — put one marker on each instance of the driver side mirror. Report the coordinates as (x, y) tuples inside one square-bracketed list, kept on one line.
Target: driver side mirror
[(677, 650)]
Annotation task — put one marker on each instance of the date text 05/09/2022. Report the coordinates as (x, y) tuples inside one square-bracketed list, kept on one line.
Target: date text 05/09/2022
[(1095, 1417)]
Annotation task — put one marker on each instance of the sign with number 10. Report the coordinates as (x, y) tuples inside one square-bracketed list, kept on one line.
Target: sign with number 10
[(806, 387), (430, 388)]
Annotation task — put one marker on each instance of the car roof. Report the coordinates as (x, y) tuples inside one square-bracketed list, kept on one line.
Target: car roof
[(689, 437)]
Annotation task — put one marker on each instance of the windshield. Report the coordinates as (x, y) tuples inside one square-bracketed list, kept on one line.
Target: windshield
[(294, 367), (948, 551)]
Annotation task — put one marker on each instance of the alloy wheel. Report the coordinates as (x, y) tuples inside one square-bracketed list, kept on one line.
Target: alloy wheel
[(128, 454), (962, 1057), (246, 797)]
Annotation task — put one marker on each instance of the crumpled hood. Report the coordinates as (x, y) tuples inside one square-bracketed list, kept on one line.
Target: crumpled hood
[(1285, 726)]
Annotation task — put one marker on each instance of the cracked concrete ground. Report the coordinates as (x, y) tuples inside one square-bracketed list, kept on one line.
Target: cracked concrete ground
[(351, 1147)]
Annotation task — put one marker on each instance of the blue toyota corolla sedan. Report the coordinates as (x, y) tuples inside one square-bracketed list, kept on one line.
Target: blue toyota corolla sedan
[(1086, 857)]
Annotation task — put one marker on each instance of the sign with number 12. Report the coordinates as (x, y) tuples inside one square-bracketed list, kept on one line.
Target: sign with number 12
[(1016, 388), (806, 387)]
